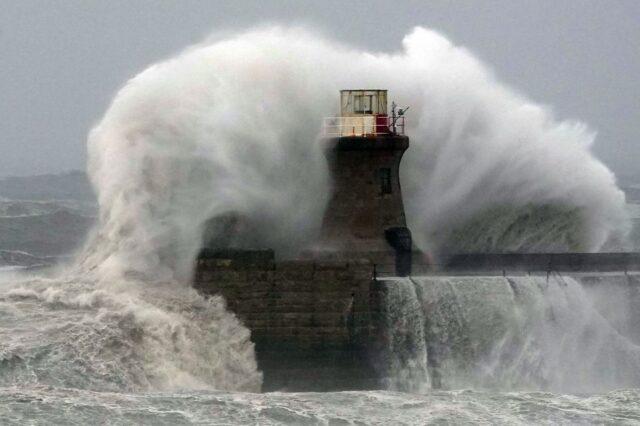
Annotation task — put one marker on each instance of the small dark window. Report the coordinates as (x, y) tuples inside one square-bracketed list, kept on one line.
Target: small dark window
[(384, 175)]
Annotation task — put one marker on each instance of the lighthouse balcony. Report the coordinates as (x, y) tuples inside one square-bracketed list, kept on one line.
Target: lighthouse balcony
[(363, 126)]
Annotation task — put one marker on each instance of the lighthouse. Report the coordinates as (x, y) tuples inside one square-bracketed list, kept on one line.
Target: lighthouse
[(364, 146), (318, 320)]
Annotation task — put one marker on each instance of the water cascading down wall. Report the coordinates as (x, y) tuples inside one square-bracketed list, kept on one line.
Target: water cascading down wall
[(534, 332)]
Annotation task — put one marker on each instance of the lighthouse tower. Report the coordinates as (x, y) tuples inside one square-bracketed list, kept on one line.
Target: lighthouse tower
[(365, 215)]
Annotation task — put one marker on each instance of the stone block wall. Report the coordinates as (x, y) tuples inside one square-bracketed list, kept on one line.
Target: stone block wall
[(315, 324)]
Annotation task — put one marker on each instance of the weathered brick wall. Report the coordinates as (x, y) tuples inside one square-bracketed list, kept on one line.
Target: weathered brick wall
[(314, 323)]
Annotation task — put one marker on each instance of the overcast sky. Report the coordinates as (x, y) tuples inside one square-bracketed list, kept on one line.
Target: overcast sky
[(61, 61)]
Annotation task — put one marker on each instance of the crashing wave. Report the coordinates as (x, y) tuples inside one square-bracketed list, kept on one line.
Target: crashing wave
[(528, 229), (233, 125)]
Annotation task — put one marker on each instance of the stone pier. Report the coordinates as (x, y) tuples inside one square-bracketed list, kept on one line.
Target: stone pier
[(315, 324)]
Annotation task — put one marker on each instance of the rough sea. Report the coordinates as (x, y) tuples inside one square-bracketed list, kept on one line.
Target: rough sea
[(233, 125), (64, 362)]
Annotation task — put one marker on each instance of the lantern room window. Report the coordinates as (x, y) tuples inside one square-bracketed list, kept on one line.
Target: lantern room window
[(362, 104)]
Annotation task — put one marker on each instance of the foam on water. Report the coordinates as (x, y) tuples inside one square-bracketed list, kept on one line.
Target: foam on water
[(82, 335), (46, 406)]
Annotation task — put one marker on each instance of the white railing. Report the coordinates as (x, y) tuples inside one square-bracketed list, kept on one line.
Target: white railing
[(363, 125)]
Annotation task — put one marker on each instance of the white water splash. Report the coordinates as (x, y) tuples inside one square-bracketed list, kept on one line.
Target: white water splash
[(404, 356), (134, 336), (522, 333), (232, 125)]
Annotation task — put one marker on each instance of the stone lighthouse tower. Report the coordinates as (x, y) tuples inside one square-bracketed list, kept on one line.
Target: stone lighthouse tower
[(365, 215)]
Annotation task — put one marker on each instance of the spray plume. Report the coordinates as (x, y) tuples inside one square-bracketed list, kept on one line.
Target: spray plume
[(233, 125)]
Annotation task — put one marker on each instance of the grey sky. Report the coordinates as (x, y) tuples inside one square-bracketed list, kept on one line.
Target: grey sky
[(61, 61)]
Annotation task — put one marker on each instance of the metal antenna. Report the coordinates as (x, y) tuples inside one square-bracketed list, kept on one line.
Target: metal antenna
[(395, 117)]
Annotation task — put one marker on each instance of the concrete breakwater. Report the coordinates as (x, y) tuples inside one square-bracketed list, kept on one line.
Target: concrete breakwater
[(535, 262), (513, 263), (321, 325)]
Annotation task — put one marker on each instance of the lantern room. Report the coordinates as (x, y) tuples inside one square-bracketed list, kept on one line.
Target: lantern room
[(363, 102), (363, 113)]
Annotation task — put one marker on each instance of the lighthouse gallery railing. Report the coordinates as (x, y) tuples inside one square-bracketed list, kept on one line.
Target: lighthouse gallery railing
[(366, 125)]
